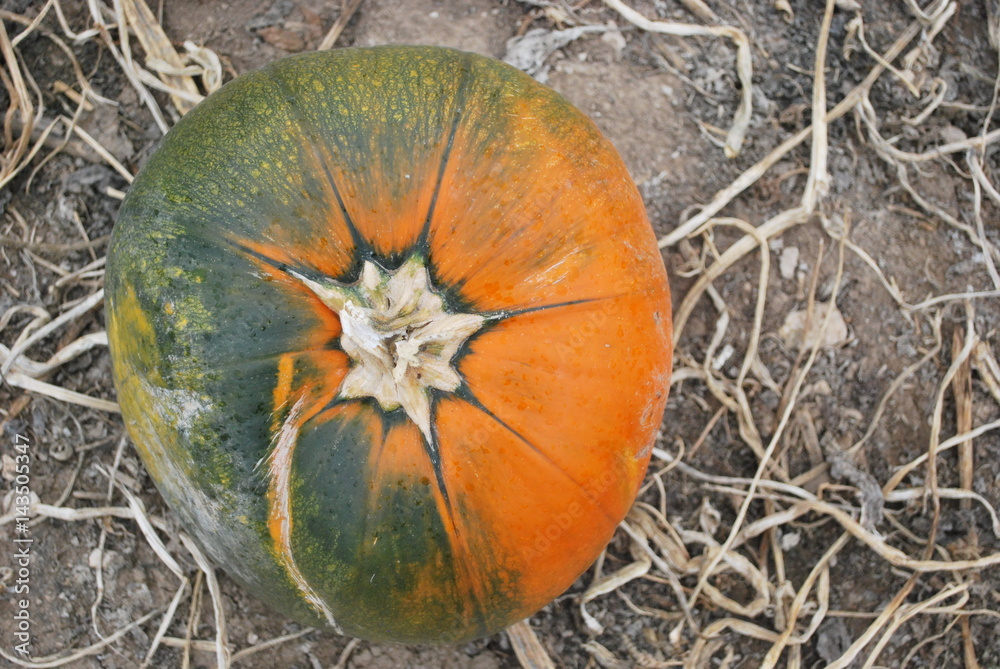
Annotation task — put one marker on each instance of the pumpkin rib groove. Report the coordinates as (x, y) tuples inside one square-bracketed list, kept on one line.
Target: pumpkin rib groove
[(362, 247), (368, 526), (501, 316), (504, 314), (495, 318), (456, 537), (461, 96), (238, 362), (274, 263), (337, 402), (465, 393)]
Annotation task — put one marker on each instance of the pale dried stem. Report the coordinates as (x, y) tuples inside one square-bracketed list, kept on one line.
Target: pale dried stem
[(968, 644), (277, 641), (910, 654), (194, 618), (182, 89), (981, 182), (940, 92), (906, 613), (124, 58), (20, 103), (168, 618), (818, 183), (721, 388), (898, 382), (102, 152), (66, 658), (20, 347), (744, 64), (528, 649), (67, 353), (905, 470), (778, 432), (966, 496), (611, 582), (989, 369), (338, 26), (962, 391), (820, 571), (956, 364), (24, 382), (667, 569), (222, 654), (754, 173), (771, 228)]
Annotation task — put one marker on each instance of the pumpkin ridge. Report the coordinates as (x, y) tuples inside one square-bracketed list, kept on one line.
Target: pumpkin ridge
[(362, 247), (422, 244), (463, 555), (495, 318), (465, 393)]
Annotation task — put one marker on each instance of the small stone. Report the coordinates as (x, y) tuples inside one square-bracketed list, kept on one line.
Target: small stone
[(793, 333), (951, 134), (616, 40), (789, 261), (790, 540), (9, 467)]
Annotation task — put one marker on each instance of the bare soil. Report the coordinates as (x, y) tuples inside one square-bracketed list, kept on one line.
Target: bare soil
[(659, 99)]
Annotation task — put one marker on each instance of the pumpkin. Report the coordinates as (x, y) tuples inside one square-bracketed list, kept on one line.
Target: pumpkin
[(391, 333)]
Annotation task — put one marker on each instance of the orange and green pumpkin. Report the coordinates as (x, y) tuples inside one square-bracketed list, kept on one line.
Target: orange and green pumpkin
[(391, 333)]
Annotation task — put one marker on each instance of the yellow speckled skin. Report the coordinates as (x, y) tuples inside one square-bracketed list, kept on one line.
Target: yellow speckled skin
[(228, 368)]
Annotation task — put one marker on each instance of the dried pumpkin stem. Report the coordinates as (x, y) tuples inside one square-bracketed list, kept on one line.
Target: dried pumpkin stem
[(399, 335)]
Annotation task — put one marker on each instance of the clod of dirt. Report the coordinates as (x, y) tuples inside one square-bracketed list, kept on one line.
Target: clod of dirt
[(286, 40)]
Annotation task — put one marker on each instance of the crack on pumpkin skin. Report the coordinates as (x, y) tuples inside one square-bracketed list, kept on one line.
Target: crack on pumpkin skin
[(279, 522)]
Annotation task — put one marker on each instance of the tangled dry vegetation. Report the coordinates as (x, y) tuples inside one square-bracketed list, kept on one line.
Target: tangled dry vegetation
[(757, 601)]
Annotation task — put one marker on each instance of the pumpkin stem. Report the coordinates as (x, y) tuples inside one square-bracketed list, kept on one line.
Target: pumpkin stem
[(399, 335)]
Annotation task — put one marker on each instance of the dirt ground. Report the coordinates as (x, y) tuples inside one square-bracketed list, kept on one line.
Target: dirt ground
[(896, 375)]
